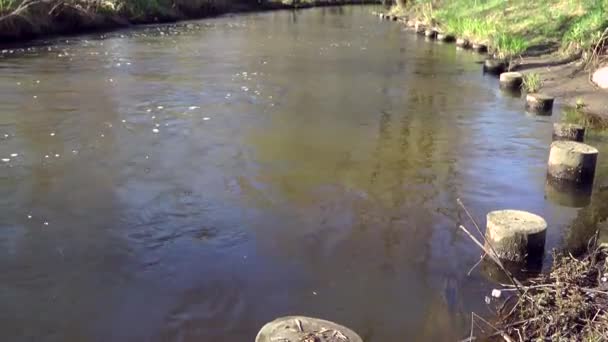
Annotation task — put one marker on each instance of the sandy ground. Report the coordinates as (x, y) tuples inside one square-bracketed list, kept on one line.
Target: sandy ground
[(567, 82)]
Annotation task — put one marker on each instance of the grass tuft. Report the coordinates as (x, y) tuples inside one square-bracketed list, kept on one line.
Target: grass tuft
[(510, 46), (532, 82), (516, 25), (593, 122)]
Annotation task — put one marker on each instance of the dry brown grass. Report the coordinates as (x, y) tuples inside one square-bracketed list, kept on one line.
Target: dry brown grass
[(568, 304)]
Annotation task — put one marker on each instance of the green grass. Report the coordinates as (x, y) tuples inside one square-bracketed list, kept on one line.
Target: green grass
[(532, 82), (8, 5), (594, 123), (587, 30), (512, 26), (474, 29), (509, 46)]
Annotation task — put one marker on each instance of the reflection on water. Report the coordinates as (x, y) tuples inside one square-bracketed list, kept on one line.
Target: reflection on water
[(190, 182)]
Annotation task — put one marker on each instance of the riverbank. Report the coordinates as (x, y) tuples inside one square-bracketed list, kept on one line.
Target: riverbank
[(561, 42), (569, 303), (30, 19)]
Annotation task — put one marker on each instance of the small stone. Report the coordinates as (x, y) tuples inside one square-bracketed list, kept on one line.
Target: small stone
[(52, 134), (29, 217), (155, 130), (600, 77), (46, 156)]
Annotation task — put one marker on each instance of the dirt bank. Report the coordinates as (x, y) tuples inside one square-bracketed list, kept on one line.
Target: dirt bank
[(37, 18), (542, 32), (565, 76), (568, 81)]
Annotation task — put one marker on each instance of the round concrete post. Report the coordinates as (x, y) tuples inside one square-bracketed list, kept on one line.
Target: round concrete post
[(511, 80), (568, 131), (481, 48), (300, 328), (463, 43), (420, 28), (572, 162), (494, 66), (446, 38), (516, 235), (430, 33), (539, 103)]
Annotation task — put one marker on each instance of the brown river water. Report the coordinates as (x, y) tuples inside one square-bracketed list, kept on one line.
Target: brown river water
[(190, 182)]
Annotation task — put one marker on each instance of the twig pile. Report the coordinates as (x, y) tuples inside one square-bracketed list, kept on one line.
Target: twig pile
[(568, 304)]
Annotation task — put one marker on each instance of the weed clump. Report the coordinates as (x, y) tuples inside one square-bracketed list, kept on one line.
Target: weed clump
[(532, 82)]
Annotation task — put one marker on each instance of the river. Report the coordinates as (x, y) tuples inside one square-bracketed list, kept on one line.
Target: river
[(192, 181)]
